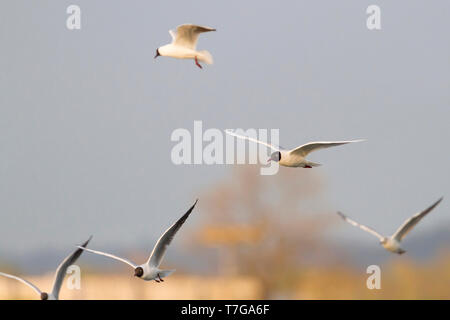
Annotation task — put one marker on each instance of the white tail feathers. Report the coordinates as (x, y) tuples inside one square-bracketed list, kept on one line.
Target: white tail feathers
[(165, 273), (312, 164), (206, 57)]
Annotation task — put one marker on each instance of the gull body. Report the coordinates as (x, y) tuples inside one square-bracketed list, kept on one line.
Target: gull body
[(174, 51), (294, 157), (392, 243), (183, 45), (153, 273), (59, 276), (150, 270)]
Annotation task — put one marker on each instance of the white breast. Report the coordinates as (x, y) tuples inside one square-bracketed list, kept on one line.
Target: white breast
[(149, 272), (178, 52), (288, 160), (391, 245)]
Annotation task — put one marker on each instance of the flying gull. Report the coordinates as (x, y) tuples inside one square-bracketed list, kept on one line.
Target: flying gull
[(59, 276), (295, 157), (183, 45), (150, 269), (392, 243)]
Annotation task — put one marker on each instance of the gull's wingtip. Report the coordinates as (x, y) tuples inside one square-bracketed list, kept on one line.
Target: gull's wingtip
[(191, 208), (343, 216), (84, 244), (438, 201)]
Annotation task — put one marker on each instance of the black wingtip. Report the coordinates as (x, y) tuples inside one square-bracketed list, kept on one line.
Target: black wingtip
[(191, 208), (86, 242), (437, 202), (343, 216)]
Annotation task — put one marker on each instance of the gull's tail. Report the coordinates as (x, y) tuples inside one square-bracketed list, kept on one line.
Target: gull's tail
[(165, 273), (312, 164), (206, 57)]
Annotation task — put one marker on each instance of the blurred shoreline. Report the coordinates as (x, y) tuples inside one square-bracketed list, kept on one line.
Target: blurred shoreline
[(400, 280)]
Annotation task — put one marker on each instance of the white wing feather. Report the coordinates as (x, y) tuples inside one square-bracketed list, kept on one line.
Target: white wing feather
[(411, 222), (164, 241), (307, 148), (187, 35), (363, 227), (28, 283), (111, 256), (62, 268), (273, 147)]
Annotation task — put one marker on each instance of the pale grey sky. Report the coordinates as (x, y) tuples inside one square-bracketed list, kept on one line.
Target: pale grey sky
[(86, 116)]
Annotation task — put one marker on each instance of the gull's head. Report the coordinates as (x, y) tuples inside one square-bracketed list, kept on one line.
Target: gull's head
[(157, 53), (384, 240), (138, 272), (276, 156), (44, 296)]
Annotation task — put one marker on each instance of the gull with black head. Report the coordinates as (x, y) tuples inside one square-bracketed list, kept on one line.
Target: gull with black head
[(294, 157), (59, 276), (150, 270), (184, 43)]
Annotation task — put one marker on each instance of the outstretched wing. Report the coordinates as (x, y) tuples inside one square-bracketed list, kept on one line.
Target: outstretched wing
[(411, 222), (187, 35), (128, 262), (164, 241), (305, 149), (363, 227), (28, 283), (271, 146), (62, 268)]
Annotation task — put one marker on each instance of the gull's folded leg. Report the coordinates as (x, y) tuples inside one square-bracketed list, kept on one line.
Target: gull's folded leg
[(198, 64)]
